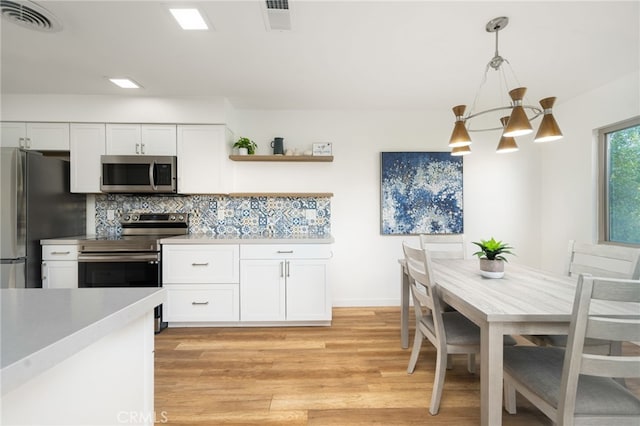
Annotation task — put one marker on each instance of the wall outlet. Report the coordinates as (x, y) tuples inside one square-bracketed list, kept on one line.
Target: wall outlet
[(310, 214), (111, 214), (221, 214)]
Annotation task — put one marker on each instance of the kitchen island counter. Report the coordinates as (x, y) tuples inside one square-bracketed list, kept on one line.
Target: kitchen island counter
[(248, 239), (60, 341)]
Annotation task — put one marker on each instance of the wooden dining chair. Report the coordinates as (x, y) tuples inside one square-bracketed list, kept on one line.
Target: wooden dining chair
[(443, 246), (599, 260), (572, 386), (448, 332)]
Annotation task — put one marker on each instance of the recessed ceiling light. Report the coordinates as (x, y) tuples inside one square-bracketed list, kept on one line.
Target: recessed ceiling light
[(125, 83), (189, 19)]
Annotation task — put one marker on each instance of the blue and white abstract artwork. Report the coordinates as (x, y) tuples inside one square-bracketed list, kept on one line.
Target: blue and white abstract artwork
[(421, 193)]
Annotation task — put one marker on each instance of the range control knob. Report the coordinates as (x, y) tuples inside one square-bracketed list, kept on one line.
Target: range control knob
[(172, 217), (134, 217), (180, 217), (127, 217)]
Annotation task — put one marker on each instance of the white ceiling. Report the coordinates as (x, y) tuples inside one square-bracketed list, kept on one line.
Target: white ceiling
[(339, 54)]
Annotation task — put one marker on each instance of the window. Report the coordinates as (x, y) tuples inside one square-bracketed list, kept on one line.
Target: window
[(619, 183)]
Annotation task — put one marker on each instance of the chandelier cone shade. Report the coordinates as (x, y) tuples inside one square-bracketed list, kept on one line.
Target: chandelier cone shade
[(506, 143), (461, 150), (518, 124), (459, 136), (549, 129)]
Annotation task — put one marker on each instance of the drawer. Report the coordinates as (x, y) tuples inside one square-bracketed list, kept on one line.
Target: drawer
[(200, 264), (220, 302), (285, 251), (60, 252)]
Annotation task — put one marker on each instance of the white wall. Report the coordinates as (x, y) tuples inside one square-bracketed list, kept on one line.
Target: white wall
[(501, 192), (569, 171)]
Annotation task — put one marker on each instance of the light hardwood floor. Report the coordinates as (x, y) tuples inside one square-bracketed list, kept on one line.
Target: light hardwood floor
[(352, 373)]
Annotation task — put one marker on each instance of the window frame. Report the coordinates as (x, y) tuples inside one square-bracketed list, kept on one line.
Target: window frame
[(603, 180)]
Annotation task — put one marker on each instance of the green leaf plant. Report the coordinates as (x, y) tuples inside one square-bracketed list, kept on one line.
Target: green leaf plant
[(492, 249)]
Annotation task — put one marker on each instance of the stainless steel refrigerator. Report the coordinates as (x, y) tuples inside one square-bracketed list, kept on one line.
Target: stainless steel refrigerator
[(35, 204)]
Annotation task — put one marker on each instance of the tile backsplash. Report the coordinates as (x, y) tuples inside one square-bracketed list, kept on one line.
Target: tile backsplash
[(223, 215)]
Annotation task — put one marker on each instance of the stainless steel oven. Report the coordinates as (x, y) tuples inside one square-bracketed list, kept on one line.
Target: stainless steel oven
[(132, 259)]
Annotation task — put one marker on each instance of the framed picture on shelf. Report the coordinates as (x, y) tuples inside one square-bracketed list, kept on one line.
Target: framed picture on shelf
[(323, 148), (420, 193)]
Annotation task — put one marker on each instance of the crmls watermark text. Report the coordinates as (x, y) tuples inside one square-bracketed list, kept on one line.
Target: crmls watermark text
[(142, 418)]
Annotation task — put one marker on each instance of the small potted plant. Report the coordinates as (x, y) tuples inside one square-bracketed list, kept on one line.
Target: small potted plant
[(491, 257), (245, 146)]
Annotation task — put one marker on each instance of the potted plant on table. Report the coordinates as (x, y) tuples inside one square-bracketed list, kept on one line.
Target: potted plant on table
[(492, 258), (245, 146)]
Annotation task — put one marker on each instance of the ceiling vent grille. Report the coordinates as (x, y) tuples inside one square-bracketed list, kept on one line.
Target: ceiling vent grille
[(277, 15), (29, 15)]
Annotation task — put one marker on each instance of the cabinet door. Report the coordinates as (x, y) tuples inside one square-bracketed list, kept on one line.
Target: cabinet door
[(123, 139), (86, 146), (262, 290), (158, 139), (60, 274), (203, 159), (48, 136), (308, 294), (13, 135)]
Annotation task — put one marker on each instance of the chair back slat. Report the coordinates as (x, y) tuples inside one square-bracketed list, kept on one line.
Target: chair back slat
[(612, 289), (450, 246), (619, 330), (603, 260), (609, 366)]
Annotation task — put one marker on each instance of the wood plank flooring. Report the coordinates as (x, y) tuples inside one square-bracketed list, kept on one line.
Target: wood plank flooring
[(352, 373)]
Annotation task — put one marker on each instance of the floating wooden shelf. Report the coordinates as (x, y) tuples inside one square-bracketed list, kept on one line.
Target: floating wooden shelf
[(302, 158), (282, 194)]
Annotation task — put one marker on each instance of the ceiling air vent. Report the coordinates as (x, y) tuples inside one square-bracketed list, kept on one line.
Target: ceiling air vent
[(277, 15), (29, 15)]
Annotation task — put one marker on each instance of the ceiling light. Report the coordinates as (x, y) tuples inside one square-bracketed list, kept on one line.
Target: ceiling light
[(189, 19), (125, 83), (518, 123)]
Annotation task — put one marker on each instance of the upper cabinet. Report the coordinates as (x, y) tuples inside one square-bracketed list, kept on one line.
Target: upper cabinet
[(35, 136), (203, 165), (141, 139), (86, 147)]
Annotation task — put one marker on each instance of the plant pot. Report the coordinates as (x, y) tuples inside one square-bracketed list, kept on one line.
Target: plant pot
[(243, 151), (492, 268)]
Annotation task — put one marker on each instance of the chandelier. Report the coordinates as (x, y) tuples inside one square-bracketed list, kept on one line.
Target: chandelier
[(516, 115)]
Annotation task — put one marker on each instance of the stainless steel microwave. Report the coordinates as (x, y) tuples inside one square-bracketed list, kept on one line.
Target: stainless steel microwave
[(132, 174)]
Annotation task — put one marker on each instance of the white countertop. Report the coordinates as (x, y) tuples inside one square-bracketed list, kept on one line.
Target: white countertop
[(248, 239), (214, 239), (42, 327)]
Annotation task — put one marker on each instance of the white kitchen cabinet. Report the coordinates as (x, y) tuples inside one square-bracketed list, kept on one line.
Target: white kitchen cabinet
[(203, 159), (285, 283), (141, 139), (35, 136), (59, 266), (202, 282), (87, 144)]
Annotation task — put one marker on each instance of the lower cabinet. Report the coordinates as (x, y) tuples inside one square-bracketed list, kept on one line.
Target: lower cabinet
[(201, 282), (246, 284), (285, 283), (59, 266)]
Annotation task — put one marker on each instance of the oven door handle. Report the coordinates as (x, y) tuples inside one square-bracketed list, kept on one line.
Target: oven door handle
[(143, 257)]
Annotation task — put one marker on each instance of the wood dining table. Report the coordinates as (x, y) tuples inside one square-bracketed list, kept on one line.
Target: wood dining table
[(525, 301)]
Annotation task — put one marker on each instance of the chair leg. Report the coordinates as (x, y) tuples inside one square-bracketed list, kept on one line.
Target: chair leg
[(509, 397), (415, 352), (471, 363), (438, 382)]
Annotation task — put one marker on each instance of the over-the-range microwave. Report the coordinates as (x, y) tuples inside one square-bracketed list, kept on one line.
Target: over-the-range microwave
[(132, 174)]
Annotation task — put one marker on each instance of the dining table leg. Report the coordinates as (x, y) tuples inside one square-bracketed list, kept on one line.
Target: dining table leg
[(404, 307), (491, 345)]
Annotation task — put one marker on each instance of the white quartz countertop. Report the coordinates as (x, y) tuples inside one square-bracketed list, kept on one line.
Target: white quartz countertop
[(42, 327), (248, 239), (214, 239)]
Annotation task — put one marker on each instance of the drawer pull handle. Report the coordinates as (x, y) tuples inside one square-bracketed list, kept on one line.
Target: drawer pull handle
[(200, 264), (60, 252), (285, 251), (200, 303)]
